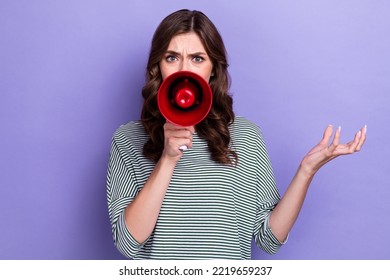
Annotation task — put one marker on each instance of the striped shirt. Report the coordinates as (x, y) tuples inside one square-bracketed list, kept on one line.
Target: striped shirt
[(210, 210)]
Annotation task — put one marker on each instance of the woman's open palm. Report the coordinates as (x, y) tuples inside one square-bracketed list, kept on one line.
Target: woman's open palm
[(324, 152)]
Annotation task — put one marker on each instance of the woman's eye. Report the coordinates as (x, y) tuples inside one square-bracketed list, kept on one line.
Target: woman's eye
[(197, 59), (171, 58)]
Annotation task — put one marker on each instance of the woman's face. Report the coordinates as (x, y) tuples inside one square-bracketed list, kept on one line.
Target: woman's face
[(186, 53)]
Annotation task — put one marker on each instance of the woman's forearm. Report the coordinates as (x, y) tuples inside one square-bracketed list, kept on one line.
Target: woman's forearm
[(141, 215), (287, 210)]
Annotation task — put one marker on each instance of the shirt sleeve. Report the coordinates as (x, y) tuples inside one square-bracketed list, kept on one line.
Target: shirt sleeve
[(267, 196), (121, 190)]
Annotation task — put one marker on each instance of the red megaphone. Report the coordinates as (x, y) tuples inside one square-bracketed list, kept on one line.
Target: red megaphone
[(184, 98)]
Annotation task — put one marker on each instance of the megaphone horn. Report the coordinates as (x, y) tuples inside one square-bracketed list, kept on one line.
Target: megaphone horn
[(184, 98)]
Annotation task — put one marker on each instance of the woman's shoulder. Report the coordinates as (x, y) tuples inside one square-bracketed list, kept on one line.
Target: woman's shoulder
[(131, 132), (243, 126), (247, 136), (130, 128)]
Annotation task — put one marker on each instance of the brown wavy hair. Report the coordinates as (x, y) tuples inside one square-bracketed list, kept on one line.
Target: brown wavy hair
[(215, 127)]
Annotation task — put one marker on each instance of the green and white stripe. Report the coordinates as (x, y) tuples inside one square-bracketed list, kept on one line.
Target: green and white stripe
[(210, 211)]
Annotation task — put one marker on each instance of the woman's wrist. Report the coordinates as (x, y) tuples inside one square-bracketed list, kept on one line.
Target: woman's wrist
[(306, 170), (167, 161)]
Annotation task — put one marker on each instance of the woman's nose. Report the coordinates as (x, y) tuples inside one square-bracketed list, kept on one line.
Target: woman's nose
[(184, 66)]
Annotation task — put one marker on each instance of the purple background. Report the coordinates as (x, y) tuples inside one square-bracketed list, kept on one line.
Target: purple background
[(71, 72)]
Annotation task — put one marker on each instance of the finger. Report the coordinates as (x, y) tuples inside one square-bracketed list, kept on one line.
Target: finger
[(178, 134), (353, 145), (170, 126), (183, 148), (176, 144), (180, 143), (188, 145), (336, 139), (362, 139), (190, 129), (358, 140), (327, 135)]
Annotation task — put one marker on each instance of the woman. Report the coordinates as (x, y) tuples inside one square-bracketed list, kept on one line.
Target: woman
[(209, 201)]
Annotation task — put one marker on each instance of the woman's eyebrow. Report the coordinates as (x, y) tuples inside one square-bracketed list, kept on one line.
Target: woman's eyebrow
[(179, 54), (172, 53), (198, 53)]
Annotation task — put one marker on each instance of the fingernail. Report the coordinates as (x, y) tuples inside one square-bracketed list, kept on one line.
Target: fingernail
[(183, 148), (365, 129), (339, 128)]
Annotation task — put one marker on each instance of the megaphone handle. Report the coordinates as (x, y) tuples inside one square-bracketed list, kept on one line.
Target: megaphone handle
[(183, 148)]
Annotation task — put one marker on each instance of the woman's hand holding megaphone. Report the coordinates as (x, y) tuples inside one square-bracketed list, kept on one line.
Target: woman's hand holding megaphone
[(176, 139)]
